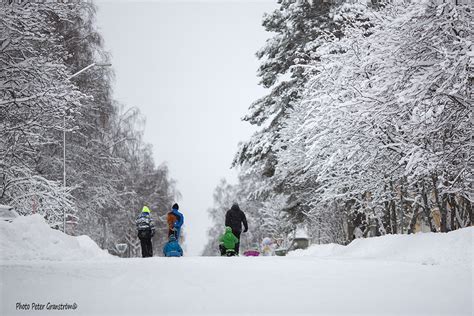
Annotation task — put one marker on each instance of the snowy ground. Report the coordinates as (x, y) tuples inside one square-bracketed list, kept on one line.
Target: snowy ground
[(332, 281)]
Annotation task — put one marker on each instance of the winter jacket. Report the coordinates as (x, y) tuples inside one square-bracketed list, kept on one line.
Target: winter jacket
[(172, 248), (145, 225), (228, 239), (234, 218), (175, 219)]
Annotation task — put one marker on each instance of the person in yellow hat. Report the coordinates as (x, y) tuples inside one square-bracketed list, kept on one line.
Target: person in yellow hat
[(146, 230)]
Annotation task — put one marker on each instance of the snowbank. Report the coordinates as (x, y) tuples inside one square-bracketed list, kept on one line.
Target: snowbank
[(426, 248), (31, 238)]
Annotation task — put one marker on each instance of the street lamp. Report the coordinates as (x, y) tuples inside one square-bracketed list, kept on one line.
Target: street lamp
[(64, 133)]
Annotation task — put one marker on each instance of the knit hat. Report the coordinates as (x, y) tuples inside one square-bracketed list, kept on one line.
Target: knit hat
[(175, 206), (145, 209)]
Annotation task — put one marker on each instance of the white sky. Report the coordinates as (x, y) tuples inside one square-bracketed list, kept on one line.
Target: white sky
[(190, 67)]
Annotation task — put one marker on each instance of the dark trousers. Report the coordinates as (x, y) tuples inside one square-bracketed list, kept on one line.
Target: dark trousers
[(147, 248), (237, 234), (175, 232)]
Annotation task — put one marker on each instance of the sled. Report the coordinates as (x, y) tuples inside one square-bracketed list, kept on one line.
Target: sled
[(251, 253), (227, 252), (230, 253), (252, 249)]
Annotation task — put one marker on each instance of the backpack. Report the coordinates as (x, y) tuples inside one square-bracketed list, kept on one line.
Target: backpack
[(144, 225), (171, 219), (144, 234)]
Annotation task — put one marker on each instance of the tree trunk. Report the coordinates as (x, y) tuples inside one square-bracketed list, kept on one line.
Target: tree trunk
[(426, 208), (441, 206), (411, 229), (466, 207), (393, 217), (393, 211), (403, 203), (104, 240), (386, 216)]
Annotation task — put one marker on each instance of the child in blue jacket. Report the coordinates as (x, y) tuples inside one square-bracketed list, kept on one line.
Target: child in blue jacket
[(172, 248)]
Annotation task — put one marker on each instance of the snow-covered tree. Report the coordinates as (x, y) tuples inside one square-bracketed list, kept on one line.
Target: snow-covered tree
[(110, 173), (382, 128), (379, 135), (35, 98)]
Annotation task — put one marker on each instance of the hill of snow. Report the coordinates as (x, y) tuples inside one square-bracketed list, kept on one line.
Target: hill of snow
[(426, 248), (31, 238)]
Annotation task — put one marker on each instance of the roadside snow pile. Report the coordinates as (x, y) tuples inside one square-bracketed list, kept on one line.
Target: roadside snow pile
[(324, 250), (426, 248), (31, 238)]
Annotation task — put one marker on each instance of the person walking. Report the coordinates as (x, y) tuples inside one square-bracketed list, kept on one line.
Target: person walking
[(234, 218), (175, 220), (145, 231)]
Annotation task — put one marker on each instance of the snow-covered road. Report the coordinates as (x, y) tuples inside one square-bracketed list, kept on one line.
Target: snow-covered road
[(244, 286), (421, 274)]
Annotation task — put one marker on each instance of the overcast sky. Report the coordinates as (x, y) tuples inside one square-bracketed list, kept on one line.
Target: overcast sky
[(190, 67)]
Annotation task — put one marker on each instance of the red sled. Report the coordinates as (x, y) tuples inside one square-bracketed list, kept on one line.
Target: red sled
[(251, 253)]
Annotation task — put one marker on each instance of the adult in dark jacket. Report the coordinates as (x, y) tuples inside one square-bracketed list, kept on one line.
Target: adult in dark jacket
[(234, 218), (175, 220)]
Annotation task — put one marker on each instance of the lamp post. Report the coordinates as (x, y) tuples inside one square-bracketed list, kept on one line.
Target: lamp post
[(87, 67), (64, 132)]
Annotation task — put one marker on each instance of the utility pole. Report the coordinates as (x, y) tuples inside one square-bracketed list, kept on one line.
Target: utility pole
[(64, 169)]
